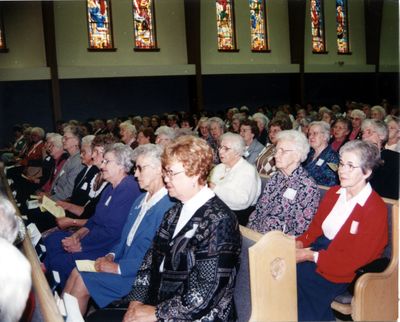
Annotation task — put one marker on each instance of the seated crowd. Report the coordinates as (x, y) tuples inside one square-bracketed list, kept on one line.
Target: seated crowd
[(156, 203)]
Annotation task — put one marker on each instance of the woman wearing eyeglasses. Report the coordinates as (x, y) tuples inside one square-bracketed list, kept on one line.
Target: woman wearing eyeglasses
[(189, 272), (116, 271), (349, 230), (235, 180), (291, 196), (103, 230)]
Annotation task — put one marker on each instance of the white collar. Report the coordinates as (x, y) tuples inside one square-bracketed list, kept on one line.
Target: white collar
[(154, 198), (361, 197)]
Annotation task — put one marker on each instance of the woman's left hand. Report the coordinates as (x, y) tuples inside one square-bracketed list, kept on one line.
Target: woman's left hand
[(138, 312), (304, 254)]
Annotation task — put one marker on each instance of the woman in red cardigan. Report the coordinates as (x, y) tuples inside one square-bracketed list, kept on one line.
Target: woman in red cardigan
[(349, 230)]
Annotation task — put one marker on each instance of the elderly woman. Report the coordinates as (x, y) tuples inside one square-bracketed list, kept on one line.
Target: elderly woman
[(165, 135), (217, 128), (237, 119), (85, 195), (128, 134), (249, 132), (341, 130), (103, 229), (146, 136), (356, 117), (385, 179), (63, 184), (348, 231), (79, 196), (262, 124), (203, 128), (189, 272), (265, 162), (393, 142), (30, 164), (235, 181), (322, 160), (117, 270), (291, 196), (378, 113)]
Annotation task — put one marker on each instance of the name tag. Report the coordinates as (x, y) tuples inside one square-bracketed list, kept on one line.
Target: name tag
[(61, 173), (84, 186), (108, 201), (354, 227), (320, 162), (290, 193), (47, 158)]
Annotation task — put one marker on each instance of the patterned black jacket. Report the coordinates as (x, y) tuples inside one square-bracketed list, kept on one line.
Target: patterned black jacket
[(200, 266)]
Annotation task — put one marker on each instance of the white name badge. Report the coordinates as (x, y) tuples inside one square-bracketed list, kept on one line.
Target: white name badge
[(84, 186), (290, 193), (354, 227), (108, 201), (61, 173), (320, 162)]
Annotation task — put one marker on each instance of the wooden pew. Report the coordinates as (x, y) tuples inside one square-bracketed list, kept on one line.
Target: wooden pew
[(376, 294), (48, 307), (272, 277)]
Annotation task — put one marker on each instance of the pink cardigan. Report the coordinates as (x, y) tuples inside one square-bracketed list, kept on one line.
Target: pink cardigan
[(347, 252)]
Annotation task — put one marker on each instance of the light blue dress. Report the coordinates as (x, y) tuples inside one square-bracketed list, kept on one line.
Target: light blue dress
[(107, 287)]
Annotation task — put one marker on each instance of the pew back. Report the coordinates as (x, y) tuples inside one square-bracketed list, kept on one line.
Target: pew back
[(272, 264)]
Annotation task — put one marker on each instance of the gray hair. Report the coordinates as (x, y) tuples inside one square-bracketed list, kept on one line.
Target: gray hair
[(324, 127), (299, 139), (150, 150), (358, 113), (39, 131), (55, 139), (8, 220), (379, 127), (123, 155), (128, 126), (75, 131), (238, 116), (167, 131), (238, 144), (87, 140), (261, 117), (367, 152), (203, 119), (15, 281), (217, 120), (379, 109)]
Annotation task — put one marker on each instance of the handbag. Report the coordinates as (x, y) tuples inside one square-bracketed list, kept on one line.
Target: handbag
[(376, 266)]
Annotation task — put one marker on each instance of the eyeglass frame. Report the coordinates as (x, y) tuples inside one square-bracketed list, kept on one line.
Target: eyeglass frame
[(170, 174), (348, 166)]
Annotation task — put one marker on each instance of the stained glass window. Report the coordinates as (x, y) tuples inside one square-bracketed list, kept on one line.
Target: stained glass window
[(317, 26), (3, 47), (226, 25), (342, 27), (100, 27), (144, 24), (258, 30)]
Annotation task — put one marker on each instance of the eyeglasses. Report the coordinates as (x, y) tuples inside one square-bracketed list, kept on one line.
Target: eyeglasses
[(105, 161), (141, 167), (348, 166), (283, 151), (170, 174), (224, 148)]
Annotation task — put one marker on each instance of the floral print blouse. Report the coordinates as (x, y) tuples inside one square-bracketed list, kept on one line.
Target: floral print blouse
[(287, 204)]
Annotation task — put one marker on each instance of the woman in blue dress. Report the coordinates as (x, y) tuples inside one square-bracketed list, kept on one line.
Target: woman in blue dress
[(103, 230), (117, 270)]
